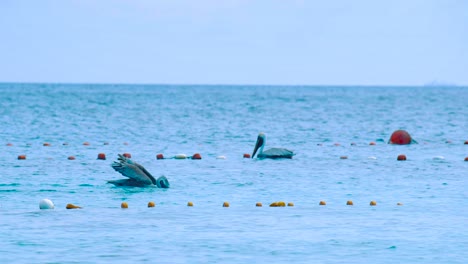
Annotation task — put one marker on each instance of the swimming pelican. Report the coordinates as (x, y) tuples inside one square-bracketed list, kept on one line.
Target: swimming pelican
[(137, 174), (273, 153)]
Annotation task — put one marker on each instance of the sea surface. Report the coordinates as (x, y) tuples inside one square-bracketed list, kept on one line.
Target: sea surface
[(320, 124)]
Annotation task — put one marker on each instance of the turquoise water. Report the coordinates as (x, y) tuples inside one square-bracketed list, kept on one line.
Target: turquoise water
[(318, 123)]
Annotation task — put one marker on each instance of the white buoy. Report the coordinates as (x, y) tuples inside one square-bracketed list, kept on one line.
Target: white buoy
[(46, 204), (180, 156), (438, 158), (372, 157), (221, 157)]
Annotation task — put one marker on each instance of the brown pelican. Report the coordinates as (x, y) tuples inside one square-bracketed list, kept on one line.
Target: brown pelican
[(137, 174), (273, 153)]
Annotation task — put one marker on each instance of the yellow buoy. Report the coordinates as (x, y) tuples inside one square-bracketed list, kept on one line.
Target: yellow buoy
[(72, 206), (189, 204), (151, 204), (124, 205), (281, 204), (349, 202), (373, 203), (258, 204), (225, 204), (290, 204), (322, 203), (274, 204)]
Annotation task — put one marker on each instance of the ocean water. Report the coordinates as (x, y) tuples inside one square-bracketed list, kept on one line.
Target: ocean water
[(317, 123)]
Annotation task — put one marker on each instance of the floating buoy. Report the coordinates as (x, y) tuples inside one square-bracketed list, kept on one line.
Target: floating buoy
[(151, 204), (72, 206), (220, 157), (127, 155), (124, 205), (85, 143), (9, 144), (274, 204), (21, 157), (159, 156), (373, 203), (337, 144), (281, 204), (401, 157), (196, 156), (101, 156), (343, 157), (65, 143), (46, 204), (322, 203), (106, 143), (319, 144), (466, 158), (400, 137), (290, 204), (399, 204), (46, 144), (372, 157), (225, 204), (258, 204), (125, 143), (466, 142), (372, 143), (438, 158), (353, 144), (448, 141), (349, 202), (189, 204), (71, 157), (180, 156), (246, 156)]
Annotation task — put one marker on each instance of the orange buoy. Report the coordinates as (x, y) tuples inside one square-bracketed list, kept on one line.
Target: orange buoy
[(290, 204), (190, 204), (258, 204), (466, 159), (274, 204), (281, 204), (225, 204), (101, 156), (127, 155), (196, 156), (400, 137), (71, 157), (322, 203), (151, 204), (124, 205), (21, 157), (349, 202), (373, 203), (72, 206), (160, 156), (372, 143), (46, 144), (9, 144), (401, 157), (86, 144), (246, 156)]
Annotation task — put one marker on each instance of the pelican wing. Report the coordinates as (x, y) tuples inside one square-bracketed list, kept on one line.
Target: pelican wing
[(132, 170), (277, 153)]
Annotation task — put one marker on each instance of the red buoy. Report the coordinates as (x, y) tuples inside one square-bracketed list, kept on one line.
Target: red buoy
[(127, 155), (71, 157), (9, 144), (466, 159), (372, 143), (246, 156), (46, 144), (400, 137), (160, 156), (196, 156), (101, 156), (21, 157), (466, 142), (86, 144), (401, 157)]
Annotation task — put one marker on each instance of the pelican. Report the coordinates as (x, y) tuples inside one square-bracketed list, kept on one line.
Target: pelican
[(137, 174), (273, 153)]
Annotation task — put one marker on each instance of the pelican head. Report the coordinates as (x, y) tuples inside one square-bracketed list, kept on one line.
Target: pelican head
[(260, 143)]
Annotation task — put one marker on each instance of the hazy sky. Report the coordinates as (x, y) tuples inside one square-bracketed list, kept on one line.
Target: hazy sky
[(235, 42)]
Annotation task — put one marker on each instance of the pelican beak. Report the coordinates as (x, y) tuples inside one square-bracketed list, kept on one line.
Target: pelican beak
[(257, 145)]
